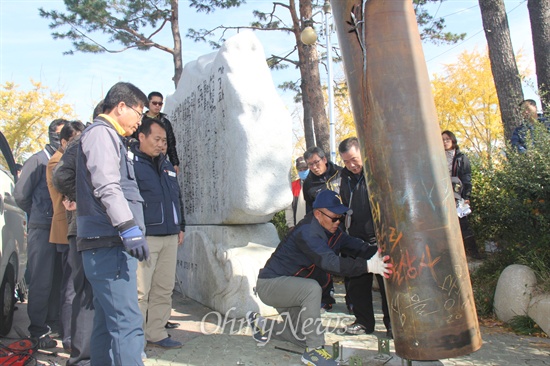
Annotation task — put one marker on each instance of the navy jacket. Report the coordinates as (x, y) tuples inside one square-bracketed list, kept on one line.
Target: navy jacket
[(519, 136), (107, 195), (158, 185), (311, 251), (31, 190)]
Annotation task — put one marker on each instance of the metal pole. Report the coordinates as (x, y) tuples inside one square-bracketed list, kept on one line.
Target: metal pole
[(429, 294), (327, 10)]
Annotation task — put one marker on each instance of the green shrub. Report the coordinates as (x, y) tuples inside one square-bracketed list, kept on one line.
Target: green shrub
[(511, 206), (279, 221)]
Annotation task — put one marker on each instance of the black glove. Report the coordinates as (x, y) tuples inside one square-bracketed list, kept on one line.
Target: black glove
[(135, 243)]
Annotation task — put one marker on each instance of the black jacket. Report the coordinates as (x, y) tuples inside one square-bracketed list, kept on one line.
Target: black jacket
[(463, 170), (315, 184), (354, 194), (311, 251)]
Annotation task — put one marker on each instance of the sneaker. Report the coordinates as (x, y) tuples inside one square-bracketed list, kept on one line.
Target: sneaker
[(45, 342), (317, 357), (257, 324), (166, 343), (326, 307), (356, 329)]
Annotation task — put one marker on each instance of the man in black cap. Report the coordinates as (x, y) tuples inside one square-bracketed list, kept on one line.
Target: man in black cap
[(293, 277), (295, 212)]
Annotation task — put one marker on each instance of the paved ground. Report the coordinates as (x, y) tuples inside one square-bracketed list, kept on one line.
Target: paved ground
[(205, 343)]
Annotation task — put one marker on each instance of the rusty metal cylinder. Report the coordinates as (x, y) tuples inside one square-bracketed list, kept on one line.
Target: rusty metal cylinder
[(430, 296)]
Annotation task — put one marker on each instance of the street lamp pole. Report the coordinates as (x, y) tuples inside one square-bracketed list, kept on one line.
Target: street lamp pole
[(327, 10)]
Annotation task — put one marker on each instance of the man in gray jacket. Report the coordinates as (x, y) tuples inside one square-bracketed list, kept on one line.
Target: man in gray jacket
[(32, 195), (110, 227)]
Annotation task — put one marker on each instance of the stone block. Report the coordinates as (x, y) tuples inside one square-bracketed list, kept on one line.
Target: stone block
[(218, 266), (513, 292), (234, 136), (539, 311)]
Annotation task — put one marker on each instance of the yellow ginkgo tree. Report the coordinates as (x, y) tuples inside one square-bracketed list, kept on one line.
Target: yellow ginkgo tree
[(25, 116), (467, 104)]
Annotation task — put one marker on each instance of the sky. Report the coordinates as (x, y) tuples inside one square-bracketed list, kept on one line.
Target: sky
[(27, 50)]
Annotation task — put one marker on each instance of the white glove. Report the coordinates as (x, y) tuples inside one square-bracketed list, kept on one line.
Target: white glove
[(376, 265)]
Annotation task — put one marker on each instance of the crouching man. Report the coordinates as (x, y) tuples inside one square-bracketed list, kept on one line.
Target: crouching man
[(293, 278)]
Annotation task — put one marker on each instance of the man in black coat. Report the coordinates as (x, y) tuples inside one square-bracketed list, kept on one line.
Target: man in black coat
[(353, 190)]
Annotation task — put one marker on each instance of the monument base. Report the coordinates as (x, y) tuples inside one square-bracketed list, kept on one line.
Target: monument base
[(218, 266)]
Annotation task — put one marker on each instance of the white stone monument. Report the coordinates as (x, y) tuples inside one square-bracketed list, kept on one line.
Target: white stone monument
[(234, 141)]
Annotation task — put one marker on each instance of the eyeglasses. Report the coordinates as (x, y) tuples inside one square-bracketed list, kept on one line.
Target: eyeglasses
[(157, 103), (140, 115), (314, 163), (340, 218)]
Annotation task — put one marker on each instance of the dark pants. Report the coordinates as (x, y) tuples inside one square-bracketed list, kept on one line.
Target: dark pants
[(360, 295), (43, 303), (118, 321), (67, 294), (82, 318), (470, 245)]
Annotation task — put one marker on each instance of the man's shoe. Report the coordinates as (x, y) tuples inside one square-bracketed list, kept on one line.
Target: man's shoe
[(45, 342), (166, 343), (170, 325), (257, 324), (389, 333), (356, 329), (317, 357)]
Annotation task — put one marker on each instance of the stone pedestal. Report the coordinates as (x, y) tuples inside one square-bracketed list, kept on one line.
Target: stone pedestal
[(218, 266), (234, 141)]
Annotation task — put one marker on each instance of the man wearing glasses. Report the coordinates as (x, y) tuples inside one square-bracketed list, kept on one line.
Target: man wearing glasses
[(155, 105), (110, 227), (292, 279), (323, 174)]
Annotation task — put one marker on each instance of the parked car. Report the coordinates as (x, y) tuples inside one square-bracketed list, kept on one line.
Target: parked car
[(13, 240)]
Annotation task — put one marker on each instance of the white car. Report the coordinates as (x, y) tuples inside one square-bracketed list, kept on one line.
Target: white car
[(13, 240)]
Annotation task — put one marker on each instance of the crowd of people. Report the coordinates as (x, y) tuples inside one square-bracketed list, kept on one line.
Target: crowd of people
[(105, 219)]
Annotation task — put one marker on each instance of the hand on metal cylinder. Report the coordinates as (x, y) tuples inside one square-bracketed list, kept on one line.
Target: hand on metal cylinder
[(377, 264), (135, 243)]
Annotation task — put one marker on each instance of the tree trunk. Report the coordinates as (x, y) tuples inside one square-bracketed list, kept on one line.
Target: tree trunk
[(309, 134), (503, 62), (178, 61), (539, 13), (311, 81)]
